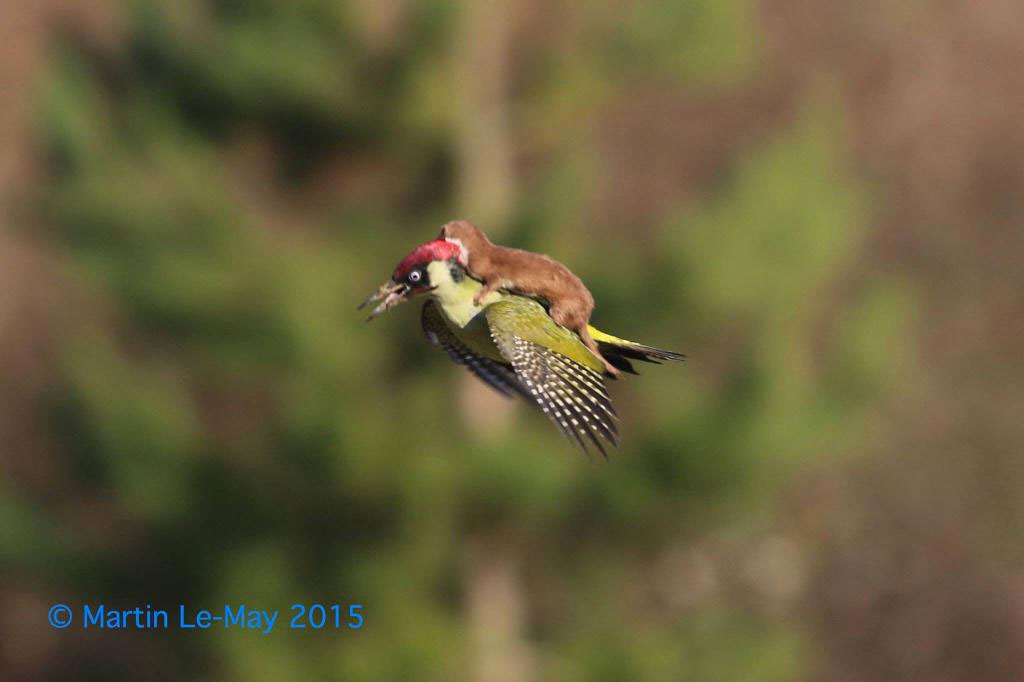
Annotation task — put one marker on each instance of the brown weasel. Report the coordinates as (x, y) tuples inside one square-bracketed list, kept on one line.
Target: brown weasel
[(499, 267)]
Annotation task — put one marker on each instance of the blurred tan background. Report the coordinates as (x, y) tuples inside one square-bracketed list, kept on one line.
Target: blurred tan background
[(821, 203)]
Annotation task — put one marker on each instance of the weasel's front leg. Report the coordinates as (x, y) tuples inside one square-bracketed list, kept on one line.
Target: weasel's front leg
[(490, 286)]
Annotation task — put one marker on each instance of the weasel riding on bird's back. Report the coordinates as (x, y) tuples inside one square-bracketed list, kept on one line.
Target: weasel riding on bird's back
[(570, 303), (512, 342)]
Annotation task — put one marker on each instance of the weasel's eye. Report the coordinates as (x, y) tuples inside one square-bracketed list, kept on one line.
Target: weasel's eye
[(415, 276)]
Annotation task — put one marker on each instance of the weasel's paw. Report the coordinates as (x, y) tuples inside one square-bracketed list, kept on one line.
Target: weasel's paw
[(478, 299)]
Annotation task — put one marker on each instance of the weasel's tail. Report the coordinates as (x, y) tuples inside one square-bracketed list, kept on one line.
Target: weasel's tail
[(619, 352)]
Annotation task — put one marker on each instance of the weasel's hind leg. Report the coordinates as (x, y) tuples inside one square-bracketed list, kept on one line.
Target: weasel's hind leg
[(575, 318), (589, 342)]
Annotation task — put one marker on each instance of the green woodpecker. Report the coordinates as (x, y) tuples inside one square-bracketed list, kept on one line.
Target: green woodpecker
[(511, 343)]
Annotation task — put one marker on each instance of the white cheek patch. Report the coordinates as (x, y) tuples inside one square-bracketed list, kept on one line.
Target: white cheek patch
[(463, 251)]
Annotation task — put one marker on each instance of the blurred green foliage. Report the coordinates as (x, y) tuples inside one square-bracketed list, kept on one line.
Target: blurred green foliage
[(261, 444)]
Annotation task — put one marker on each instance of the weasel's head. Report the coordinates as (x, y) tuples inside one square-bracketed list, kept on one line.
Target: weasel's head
[(466, 236)]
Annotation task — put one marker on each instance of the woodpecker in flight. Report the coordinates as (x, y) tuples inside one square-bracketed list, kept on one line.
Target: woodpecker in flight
[(511, 342)]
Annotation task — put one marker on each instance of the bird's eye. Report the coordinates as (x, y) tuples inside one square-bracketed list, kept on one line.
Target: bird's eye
[(415, 276)]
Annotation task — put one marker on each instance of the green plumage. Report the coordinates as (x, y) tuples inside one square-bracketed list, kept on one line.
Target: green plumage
[(513, 345)]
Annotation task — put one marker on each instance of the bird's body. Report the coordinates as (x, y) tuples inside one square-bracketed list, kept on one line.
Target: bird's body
[(457, 301), (512, 343)]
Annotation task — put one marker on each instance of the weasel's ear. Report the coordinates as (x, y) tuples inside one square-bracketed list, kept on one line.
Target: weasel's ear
[(463, 254)]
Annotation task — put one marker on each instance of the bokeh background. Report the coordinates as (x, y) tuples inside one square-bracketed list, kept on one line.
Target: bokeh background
[(821, 203)]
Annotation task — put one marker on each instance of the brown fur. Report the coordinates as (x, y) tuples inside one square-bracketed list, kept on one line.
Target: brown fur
[(533, 274)]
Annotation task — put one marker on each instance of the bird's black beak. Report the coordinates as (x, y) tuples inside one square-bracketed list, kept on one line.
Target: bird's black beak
[(391, 292)]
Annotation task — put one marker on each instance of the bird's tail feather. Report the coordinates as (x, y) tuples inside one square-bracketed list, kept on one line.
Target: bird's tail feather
[(619, 352)]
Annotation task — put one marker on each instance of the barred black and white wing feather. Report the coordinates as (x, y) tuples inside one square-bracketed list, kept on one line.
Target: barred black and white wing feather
[(573, 396)]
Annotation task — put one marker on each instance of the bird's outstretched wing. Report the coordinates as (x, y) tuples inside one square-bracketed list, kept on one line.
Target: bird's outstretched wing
[(496, 375), (543, 356)]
